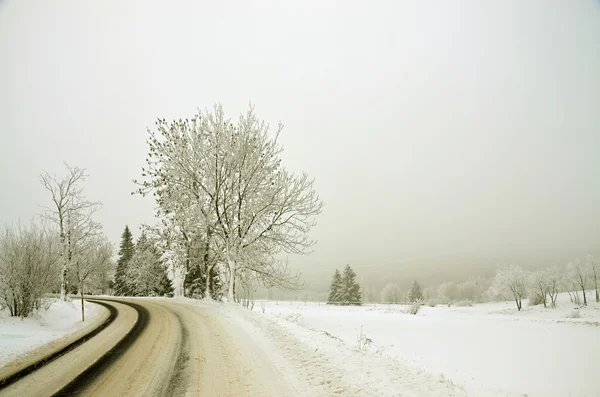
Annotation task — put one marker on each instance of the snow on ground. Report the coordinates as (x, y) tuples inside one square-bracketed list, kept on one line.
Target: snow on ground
[(20, 336), (317, 365), (489, 349)]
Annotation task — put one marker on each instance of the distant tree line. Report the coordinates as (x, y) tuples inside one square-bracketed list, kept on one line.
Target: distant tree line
[(540, 287), (543, 286)]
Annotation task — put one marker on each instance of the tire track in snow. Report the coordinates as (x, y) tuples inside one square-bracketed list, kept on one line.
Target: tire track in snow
[(85, 378), (180, 377), (51, 357)]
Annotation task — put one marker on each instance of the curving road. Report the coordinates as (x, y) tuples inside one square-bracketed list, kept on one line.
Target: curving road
[(150, 347)]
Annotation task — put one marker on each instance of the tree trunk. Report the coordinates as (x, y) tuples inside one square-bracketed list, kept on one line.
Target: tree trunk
[(230, 292), (208, 284), (63, 283), (183, 278), (207, 267), (82, 307), (545, 300)]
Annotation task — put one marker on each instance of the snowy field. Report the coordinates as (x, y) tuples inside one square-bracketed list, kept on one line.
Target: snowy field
[(20, 336), (489, 349)]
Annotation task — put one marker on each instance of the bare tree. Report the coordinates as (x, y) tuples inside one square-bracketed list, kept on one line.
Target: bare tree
[(94, 259), (553, 278), (29, 259), (579, 274), (594, 270), (72, 213), (512, 281), (540, 285)]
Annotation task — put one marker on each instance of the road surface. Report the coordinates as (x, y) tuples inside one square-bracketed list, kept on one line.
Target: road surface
[(156, 347)]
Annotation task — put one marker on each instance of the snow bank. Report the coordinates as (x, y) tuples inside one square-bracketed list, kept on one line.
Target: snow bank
[(317, 364), (489, 349), (20, 336)]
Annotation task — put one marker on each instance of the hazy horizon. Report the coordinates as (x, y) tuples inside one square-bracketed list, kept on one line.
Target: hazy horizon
[(431, 129)]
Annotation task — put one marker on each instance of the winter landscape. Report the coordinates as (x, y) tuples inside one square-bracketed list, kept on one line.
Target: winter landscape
[(312, 199)]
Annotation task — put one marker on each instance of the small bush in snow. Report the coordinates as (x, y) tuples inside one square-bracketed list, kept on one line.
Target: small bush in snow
[(464, 303), (574, 314), (294, 318), (362, 341), (414, 308), (535, 299)]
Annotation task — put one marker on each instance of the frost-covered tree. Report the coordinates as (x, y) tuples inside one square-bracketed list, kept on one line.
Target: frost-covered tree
[(335, 288), (539, 286), (94, 259), (71, 212), (126, 251), (165, 285), (594, 273), (415, 294), (447, 292), (579, 272), (29, 264), (146, 272), (350, 289), (392, 293), (512, 282), (553, 277), (226, 179)]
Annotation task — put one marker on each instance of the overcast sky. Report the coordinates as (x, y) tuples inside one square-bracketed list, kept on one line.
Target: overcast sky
[(431, 128)]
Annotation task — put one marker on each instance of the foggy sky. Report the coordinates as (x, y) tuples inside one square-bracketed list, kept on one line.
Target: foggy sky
[(431, 128)]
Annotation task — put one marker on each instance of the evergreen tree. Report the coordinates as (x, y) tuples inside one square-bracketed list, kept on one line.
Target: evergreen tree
[(350, 292), (335, 289), (415, 294), (145, 270), (165, 285), (126, 252), (195, 283)]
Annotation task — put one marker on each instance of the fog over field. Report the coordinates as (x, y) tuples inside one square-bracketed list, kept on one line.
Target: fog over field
[(445, 138)]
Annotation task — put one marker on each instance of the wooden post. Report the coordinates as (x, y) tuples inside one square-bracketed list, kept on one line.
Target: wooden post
[(81, 289)]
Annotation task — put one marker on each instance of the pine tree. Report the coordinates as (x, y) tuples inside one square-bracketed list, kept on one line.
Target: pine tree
[(415, 294), (165, 286), (350, 292), (195, 282), (126, 252), (145, 270), (335, 289)]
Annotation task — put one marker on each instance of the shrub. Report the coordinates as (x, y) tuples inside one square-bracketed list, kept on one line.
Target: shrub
[(363, 342), (574, 314), (535, 299), (414, 308)]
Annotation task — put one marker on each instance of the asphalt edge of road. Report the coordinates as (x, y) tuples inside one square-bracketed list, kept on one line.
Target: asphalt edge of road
[(10, 379), (85, 378)]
